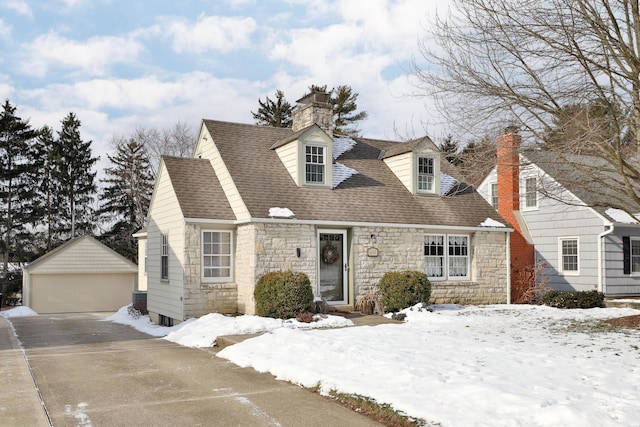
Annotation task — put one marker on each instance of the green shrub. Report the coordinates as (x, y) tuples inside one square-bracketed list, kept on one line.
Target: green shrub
[(583, 299), (402, 289), (283, 295)]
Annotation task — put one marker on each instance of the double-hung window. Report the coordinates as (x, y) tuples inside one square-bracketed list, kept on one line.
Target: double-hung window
[(164, 258), (446, 256), (569, 255), (217, 255), (315, 164), (494, 195), (426, 174), (530, 193), (631, 254)]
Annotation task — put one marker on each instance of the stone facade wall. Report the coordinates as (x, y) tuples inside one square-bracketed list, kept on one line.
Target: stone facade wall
[(263, 248), (373, 251), (402, 249), (201, 298)]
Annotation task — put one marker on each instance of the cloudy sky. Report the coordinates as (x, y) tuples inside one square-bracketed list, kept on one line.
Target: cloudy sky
[(121, 64)]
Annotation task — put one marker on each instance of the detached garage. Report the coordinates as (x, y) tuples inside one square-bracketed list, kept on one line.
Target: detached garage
[(82, 275)]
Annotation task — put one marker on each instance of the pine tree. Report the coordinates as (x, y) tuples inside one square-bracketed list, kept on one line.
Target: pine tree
[(126, 195), (77, 187), (274, 113), (18, 196), (48, 151), (451, 149), (344, 111)]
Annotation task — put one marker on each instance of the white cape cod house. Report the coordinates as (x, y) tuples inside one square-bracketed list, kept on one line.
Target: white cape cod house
[(256, 199)]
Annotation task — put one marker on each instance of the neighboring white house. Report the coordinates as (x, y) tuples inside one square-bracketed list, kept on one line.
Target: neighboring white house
[(256, 199), (565, 206), (82, 275)]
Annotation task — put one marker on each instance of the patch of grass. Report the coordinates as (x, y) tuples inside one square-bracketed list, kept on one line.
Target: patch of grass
[(382, 413)]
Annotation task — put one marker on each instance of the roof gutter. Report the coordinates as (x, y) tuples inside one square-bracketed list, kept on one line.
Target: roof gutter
[(601, 279)]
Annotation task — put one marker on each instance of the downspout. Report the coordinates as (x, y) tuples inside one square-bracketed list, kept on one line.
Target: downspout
[(601, 282), (508, 267)]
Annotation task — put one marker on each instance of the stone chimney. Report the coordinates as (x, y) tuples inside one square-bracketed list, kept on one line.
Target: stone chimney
[(313, 108), (521, 244)]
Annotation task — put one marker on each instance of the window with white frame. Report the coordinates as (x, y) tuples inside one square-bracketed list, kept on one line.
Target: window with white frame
[(164, 258), (530, 193), (494, 195), (569, 255), (635, 255), (426, 174), (446, 256), (315, 164), (216, 255)]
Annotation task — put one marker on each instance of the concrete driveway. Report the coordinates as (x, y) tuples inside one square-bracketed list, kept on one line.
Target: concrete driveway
[(90, 372)]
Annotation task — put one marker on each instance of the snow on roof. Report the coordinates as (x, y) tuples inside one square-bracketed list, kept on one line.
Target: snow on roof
[(342, 144), (491, 223), (618, 215), (340, 173), (447, 182), (281, 213)]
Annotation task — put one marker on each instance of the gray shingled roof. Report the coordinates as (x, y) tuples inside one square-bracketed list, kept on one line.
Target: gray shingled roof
[(197, 188), (373, 195), (589, 178)]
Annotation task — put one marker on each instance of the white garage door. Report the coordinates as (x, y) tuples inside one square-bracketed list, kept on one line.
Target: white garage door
[(77, 293)]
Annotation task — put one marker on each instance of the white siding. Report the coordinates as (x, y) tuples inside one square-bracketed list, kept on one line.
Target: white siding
[(165, 217), (142, 268), (204, 146), (289, 157), (402, 166), (86, 255)]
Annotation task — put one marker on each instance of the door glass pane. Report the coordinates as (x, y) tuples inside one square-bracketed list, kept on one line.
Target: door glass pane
[(332, 267)]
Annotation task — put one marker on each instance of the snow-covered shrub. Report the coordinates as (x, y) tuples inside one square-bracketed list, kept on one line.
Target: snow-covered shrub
[(402, 289), (283, 294), (583, 299)]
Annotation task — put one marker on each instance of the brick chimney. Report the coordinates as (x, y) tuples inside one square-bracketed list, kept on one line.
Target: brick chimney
[(508, 146), (313, 108), (521, 245)]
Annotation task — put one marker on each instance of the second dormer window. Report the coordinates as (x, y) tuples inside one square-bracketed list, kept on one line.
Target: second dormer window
[(315, 162), (426, 176)]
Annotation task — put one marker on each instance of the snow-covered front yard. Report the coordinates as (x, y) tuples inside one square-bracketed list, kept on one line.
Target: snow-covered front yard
[(459, 366)]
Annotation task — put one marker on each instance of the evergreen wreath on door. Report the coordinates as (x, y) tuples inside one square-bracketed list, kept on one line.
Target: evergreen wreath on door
[(330, 253)]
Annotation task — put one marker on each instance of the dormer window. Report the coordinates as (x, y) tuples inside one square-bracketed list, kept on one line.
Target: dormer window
[(426, 175), (315, 164)]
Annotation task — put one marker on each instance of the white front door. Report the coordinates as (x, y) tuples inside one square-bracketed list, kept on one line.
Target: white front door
[(332, 266)]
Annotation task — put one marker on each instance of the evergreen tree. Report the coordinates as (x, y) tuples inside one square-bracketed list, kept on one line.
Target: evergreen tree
[(48, 151), (345, 117), (274, 113), (125, 199), (76, 182), (18, 196), (451, 149)]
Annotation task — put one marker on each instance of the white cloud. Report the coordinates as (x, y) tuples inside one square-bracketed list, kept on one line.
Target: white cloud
[(93, 56), (5, 30), (218, 33), (19, 6)]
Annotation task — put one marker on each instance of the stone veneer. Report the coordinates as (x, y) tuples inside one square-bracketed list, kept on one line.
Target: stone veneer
[(202, 298), (264, 247)]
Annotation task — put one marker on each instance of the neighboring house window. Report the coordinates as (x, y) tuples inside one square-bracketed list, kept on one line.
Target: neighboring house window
[(631, 248), (569, 255), (494, 195), (164, 258), (216, 255), (446, 256), (530, 193), (426, 176), (315, 161)]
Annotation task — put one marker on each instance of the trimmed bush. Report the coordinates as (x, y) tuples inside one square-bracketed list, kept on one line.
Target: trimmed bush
[(583, 299), (283, 295), (402, 289)]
